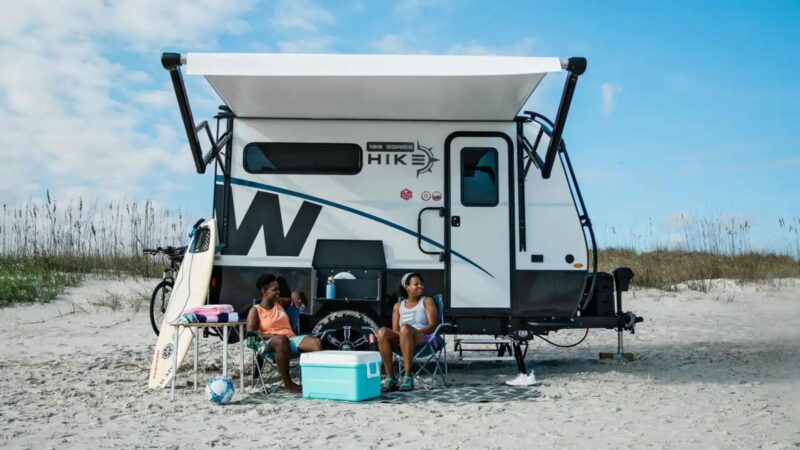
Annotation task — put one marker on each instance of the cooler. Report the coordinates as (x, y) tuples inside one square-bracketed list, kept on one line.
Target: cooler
[(341, 375)]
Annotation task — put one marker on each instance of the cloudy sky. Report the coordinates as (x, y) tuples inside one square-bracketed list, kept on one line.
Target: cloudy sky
[(687, 108)]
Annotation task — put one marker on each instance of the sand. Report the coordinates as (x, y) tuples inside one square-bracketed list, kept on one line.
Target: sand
[(718, 369)]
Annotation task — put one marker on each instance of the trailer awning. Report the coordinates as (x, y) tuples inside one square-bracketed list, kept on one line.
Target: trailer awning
[(405, 87)]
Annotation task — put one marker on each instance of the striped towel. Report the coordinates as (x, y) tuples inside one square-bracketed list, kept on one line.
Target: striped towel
[(210, 310), (201, 318)]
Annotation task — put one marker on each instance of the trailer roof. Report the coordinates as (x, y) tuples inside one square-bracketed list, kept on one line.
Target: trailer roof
[(405, 87)]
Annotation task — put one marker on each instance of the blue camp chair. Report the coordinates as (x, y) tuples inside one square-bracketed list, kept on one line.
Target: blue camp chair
[(264, 362), (431, 361)]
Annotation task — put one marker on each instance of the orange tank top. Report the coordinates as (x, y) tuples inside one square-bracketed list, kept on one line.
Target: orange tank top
[(274, 321)]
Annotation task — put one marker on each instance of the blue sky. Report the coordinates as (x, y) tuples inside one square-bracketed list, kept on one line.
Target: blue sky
[(687, 108)]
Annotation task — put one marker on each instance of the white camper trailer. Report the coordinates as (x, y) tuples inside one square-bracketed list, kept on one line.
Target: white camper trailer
[(377, 165)]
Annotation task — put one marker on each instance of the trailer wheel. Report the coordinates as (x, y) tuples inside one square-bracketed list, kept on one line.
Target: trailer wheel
[(347, 330)]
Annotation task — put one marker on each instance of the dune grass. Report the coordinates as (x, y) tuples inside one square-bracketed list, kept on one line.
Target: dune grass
[(664, 269), (700, 249), (45, 247)]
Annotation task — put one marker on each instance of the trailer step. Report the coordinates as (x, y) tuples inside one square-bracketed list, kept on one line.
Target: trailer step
[(501, 348), (486, 358), (484, 341)]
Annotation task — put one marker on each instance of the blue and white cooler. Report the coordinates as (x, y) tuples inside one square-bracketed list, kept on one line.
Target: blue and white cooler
[(341, 375)]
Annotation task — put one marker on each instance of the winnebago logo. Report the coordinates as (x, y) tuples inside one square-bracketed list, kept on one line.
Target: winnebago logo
[(401, 154), (263, 219)]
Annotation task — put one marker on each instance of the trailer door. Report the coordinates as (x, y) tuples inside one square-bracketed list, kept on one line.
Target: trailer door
[(477, 200)]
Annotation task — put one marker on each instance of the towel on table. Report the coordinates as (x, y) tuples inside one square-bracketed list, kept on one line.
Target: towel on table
[(210, 310), (202, 318)]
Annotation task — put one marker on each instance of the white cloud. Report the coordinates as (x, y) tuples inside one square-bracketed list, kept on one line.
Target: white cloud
[(299, 16), (413, 7), (72, 118), (395, 44), (523, 47), (298, 24), (311, 44), (609, 93), (159, 99)]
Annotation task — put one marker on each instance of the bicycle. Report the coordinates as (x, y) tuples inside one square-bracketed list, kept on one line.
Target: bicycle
[(161, 293)]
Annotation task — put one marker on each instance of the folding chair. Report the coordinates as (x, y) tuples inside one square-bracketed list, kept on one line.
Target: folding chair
[(431, 361), (264, 365)]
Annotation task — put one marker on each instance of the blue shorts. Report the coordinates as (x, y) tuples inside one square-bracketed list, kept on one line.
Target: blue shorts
[(294, 343)]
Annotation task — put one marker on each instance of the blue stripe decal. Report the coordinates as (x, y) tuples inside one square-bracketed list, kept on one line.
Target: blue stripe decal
[(279, 190)]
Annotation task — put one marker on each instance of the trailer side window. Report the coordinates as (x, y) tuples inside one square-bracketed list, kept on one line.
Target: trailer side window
[(479, 176), (302, 158)]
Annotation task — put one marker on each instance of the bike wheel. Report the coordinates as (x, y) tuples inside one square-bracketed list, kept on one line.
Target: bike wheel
[(158, 303)]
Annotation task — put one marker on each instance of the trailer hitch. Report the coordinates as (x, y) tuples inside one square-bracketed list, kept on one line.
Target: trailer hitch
[(628, 321)]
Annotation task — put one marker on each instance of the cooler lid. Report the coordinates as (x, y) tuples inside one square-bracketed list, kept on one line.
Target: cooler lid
[(339, 358)]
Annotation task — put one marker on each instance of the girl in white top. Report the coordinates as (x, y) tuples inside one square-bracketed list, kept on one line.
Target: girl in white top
[(413, 320)]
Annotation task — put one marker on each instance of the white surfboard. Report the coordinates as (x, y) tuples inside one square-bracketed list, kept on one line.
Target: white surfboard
[(190, 290)]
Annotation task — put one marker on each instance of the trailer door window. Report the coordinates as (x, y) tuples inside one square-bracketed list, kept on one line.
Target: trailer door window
[(479, 176), (302, 158)]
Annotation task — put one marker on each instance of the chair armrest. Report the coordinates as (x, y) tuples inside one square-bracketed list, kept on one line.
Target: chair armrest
[(442, 327), (252, 338)]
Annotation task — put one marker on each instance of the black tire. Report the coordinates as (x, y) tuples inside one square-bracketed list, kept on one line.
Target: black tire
[(345, 330), (158, 303)]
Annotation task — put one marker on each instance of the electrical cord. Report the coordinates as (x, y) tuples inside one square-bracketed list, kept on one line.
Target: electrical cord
[(560, 345)]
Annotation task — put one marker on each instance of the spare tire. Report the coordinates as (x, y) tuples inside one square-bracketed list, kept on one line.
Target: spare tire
[(347, 330)]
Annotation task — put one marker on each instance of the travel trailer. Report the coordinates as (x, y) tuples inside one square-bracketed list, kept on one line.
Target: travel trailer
[(356, 169)]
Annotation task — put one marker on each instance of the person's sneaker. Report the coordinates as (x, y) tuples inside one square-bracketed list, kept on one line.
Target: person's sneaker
[(406, 383), (523, 379), (388, 384)]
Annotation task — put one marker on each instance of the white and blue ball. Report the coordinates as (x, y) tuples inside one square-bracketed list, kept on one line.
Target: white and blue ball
[(219, 390)]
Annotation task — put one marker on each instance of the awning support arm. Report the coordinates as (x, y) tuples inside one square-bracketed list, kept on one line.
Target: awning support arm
[(576, 67), (172, 62)]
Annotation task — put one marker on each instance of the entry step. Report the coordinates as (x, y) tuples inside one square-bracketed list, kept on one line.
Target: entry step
[(486, 358), (501, 347), (483, 341)]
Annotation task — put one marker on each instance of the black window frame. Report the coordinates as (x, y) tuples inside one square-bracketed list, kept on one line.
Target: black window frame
[(497, 177), (301, 146)]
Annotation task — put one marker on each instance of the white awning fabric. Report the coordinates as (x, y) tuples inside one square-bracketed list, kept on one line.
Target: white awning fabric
[(391, 87)]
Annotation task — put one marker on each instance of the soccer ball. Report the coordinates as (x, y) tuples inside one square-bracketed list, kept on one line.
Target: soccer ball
[(219, 390)]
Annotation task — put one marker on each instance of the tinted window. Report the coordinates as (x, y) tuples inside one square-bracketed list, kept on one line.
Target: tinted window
[(479, 176), (302, 158)]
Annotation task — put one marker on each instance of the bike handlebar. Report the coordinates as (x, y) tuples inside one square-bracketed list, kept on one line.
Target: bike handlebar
[(169, 251)]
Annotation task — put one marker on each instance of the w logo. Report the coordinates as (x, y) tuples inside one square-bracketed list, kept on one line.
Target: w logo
[(265, 212)]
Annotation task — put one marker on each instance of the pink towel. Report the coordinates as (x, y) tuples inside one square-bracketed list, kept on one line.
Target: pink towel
[(210, 310)]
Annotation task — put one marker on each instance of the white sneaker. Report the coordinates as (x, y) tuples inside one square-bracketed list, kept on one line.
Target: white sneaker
[(523, 380)]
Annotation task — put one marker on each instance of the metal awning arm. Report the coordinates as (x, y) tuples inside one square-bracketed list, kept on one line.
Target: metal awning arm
[(172, 62), (530, 150), (576, 67)]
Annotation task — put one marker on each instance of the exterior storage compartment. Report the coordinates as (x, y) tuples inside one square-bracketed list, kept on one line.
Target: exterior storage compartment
[(603, 302), (341, 375)]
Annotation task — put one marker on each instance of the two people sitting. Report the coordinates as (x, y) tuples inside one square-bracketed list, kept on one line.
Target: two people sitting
[(270, 321), (414, 319)]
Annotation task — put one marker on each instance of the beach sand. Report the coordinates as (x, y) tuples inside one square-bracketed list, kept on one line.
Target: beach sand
[(718, 369)]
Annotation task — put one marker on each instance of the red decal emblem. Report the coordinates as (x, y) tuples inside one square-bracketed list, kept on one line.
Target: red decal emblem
[(425, 196), (437, 196), (406, 194)]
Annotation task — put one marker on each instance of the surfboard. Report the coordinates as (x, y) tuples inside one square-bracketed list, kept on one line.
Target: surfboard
[(190, 290)]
